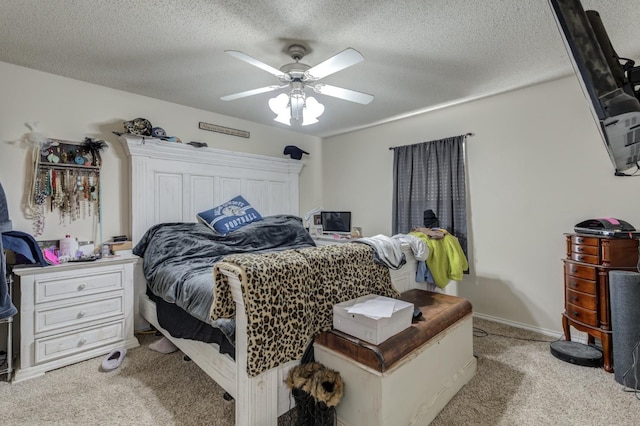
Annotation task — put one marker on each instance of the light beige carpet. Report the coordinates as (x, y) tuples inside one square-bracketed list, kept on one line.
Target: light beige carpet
[(518, 383)]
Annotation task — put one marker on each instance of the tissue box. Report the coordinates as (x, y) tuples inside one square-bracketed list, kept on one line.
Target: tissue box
[(372, 330)]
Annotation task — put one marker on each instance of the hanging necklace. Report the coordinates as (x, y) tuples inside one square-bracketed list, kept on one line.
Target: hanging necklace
[(39, 200), (78, 192), (35, 200)]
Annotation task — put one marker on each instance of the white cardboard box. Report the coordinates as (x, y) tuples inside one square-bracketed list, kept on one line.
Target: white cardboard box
[(372, 330)]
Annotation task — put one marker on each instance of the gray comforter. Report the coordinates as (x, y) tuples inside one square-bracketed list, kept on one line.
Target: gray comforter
[(179, 258)]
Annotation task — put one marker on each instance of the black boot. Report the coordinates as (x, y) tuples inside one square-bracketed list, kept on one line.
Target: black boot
[(304, 407), (323, 415), (299, 380), (326, 390)]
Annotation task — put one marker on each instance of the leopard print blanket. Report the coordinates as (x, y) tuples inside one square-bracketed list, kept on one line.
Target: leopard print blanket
[(289, 296)]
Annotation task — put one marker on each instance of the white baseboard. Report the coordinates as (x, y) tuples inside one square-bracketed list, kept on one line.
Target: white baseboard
[(576, 336)]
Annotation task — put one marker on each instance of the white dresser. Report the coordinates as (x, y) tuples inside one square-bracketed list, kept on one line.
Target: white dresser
[(72, 312)]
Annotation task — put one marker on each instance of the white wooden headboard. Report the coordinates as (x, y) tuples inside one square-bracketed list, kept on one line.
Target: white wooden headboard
[(172, 182)]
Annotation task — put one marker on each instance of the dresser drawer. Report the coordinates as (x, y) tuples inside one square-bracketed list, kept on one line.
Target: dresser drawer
[(50, 348), (585, 258), (53, 318), (587, 241), (581, 271), (64, 287), (579, 284), (585, 316), (583, 300), (584, 249)]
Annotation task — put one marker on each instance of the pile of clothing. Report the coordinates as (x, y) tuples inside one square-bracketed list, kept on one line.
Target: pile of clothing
[(439, 254), (446, 260)]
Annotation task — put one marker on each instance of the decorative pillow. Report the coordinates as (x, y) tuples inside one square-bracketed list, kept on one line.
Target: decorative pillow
[(229, 216)]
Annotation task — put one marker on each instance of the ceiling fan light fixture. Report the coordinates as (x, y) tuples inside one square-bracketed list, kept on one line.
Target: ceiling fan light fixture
[(280, 106), (296, 102), (284, 118), (313, 109), (297, 106)]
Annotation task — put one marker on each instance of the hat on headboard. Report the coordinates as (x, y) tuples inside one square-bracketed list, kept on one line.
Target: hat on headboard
[(294, 151), (138, 126), (430, 220)]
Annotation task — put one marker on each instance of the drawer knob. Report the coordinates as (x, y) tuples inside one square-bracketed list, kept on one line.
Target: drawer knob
[(82, 286), (82, 313), (579, 249), (575, 313), (82, 341), (574, 298)]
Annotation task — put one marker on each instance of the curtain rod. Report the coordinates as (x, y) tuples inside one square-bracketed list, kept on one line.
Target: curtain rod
[(465, 135)]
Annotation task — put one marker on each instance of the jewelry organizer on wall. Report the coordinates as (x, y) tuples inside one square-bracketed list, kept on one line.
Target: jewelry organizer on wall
[(67, 180)]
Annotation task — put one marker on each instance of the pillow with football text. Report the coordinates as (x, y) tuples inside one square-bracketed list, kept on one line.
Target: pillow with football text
[(229, 216)]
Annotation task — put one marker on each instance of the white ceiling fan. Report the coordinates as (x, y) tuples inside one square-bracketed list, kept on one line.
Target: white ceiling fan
[(297, 77)]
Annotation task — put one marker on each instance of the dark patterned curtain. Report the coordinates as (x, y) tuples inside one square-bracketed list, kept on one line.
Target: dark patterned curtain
[(430, 175)]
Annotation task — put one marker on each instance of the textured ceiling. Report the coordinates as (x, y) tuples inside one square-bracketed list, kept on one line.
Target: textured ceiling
[(419, 54)]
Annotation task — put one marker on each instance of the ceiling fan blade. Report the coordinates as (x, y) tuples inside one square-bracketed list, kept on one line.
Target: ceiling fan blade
[(251, 92), (346, 94), (256, 63), (337, 62)]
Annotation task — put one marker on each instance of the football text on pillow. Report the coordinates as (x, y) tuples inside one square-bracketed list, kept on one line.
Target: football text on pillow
[(229, 216)]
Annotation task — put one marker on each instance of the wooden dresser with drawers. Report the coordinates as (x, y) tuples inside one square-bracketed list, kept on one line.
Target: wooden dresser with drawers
[(586, 285)]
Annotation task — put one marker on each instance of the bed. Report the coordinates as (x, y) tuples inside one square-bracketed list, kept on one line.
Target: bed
[(170, 184), (178, 260)]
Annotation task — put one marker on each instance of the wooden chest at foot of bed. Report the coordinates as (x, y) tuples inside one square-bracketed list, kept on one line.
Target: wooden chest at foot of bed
[(410, 377)]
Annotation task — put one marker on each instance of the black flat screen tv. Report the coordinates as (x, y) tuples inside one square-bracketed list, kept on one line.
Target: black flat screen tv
[(611, 83), (336, 222)]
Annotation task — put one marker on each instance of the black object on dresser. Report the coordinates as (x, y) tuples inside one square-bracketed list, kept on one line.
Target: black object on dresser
[(589, 260)]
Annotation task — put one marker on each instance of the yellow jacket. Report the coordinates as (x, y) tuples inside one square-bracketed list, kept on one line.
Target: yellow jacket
[(446, 260)]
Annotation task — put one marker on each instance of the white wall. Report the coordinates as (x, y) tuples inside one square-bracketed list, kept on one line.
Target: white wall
[(536, 166), (72, 110)]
